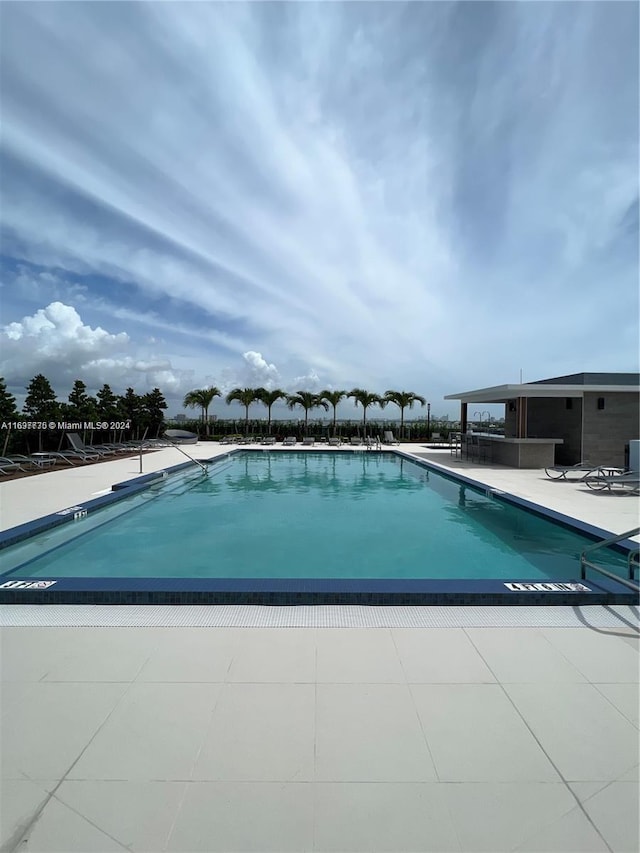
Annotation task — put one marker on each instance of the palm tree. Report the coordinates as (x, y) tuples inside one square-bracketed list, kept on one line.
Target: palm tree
[(202, 397), (334, 398), (402, 399), (245, 396), (269, 398), (366, 399), (308, 401)]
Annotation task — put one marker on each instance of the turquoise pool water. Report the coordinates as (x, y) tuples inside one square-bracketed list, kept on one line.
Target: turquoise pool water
[(306, 515)]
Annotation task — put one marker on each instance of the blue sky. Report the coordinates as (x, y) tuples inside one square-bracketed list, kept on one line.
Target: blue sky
[(424, 196)]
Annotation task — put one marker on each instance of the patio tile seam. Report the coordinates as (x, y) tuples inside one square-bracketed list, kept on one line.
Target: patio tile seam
[(604, 696), (82, 816), (544, 751), (415, 707)]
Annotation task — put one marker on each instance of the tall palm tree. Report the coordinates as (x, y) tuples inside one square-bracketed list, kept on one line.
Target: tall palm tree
[(334, 398), (308, 401), (202, 397), (366, 399), (402, 399), (244, 396), (269, 398)]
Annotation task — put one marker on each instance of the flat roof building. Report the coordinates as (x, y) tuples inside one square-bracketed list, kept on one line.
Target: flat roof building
[(582, 417)]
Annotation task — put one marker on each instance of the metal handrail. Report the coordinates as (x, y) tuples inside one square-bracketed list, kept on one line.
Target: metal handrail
[(184, 453), (633, 560)]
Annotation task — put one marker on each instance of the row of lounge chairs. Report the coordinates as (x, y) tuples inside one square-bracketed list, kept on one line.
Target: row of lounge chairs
[(598, 477), (78, 453), (310, 441)]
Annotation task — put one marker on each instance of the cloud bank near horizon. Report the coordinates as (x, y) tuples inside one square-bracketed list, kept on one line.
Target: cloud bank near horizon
[(422, 196)]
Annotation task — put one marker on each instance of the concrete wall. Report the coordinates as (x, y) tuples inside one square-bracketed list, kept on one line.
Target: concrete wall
[(550, 418), (606, 431)]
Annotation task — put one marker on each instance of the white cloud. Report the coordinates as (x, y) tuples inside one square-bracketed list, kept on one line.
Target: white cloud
[(402, 220), (56, 342), (260, 372)]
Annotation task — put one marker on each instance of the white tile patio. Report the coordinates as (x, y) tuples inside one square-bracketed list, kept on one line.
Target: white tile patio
[(487, 731)]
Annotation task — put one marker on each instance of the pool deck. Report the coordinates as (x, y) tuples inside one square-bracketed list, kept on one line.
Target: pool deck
[(318, 729)]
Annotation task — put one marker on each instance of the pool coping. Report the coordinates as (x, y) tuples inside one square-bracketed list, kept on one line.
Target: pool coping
[(288, 591)]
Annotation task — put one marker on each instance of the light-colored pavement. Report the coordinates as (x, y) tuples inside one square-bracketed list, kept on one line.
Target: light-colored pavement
[(226, 739), (319, 739)]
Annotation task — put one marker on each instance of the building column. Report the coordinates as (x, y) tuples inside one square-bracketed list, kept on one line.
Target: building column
[(521, 417), (463, 417)]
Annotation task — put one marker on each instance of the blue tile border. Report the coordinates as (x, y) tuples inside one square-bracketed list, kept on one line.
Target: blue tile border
[(374, 592), (298, 592)]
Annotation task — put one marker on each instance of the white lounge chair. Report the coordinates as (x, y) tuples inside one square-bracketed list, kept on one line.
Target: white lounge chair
[(290, 441), (335, 441), (564, 472), (625, 482), (308, 441), (231, 439), (355, 440), (268, 439), (388, 438)]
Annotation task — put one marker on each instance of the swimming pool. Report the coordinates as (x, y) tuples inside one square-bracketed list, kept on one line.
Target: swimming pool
[(260, 517)]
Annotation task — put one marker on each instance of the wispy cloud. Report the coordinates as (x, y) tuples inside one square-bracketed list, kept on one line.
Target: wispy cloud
[(427, 196)]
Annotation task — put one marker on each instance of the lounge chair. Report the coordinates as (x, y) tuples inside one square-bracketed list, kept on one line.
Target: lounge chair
[(72, 457), (79, 446), (335, 441), (268, 439), (290, 441), (231, 439), (308, 441), (372, 443), (388, 438), (625, 482), (355, 440), (10, 466), (564, 472), (30, 462), (117, 446)]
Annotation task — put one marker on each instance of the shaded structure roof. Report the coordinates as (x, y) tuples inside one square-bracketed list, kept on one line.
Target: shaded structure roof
[(573, 385)]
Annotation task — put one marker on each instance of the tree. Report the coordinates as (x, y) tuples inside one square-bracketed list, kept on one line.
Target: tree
[(308, 401), (153, 405), (40, 403), (8, 409), (402, 399), (366, 399), (131, 407), (202, 397), (268, 398), (107, 404), (333, 397), (245, 396), (82, 406)]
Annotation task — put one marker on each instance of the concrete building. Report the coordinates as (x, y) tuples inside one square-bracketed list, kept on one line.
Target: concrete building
[(566, 419)]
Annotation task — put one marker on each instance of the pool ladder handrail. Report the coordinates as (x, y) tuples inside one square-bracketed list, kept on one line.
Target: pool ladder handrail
[(184, 453), (633, 560)]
